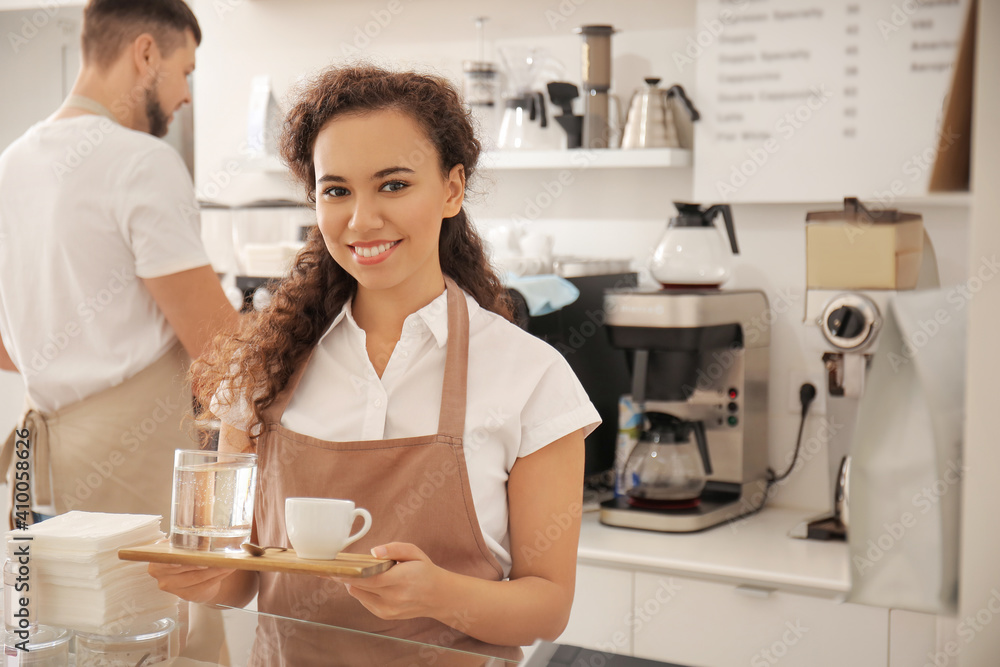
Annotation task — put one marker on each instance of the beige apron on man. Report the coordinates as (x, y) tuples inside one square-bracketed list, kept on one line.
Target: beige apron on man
[(417, 490), (112, 451)]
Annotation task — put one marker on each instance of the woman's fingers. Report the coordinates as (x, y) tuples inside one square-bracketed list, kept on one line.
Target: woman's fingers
[(190, 582)]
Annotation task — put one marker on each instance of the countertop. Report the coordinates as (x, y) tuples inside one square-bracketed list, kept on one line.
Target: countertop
[(755, 551)]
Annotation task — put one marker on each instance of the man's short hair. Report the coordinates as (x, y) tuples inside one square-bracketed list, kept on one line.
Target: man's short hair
[(110, 25)]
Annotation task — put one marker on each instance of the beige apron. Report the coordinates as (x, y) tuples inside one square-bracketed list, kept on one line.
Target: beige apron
[(417, 490), (112, 451)]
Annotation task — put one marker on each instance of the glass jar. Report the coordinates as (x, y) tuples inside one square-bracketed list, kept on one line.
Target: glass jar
[(47, 647), (480, 83), (481, 91), (148, 645)]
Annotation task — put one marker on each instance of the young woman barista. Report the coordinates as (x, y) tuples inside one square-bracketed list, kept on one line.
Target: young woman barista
[(392, 326)]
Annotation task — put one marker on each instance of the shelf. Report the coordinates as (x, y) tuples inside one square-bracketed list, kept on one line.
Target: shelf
[(932, 199), (603, 158), (956, 199), (268, 164)]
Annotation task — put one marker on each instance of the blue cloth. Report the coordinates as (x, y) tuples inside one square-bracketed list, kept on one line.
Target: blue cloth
[(544, 294)]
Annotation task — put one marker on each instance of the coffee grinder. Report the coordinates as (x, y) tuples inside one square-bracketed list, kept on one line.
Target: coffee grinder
[(844, 335), (857, 259), (702, 356)]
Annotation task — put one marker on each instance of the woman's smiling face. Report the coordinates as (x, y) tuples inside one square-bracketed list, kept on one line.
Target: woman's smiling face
[(381, 198)]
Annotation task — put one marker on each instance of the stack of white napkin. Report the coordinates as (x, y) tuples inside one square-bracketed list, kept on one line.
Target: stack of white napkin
[(81, 583)]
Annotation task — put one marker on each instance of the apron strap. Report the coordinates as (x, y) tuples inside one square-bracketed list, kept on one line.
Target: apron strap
[(42, 499), (6, 458), (40, 486), (87, 104), (451, 421)]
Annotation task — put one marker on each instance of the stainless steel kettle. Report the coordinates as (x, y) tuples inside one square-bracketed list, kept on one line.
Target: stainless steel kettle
[(659, 118)]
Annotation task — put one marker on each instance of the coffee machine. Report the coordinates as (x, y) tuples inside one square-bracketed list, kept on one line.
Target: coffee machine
[(701, 355)]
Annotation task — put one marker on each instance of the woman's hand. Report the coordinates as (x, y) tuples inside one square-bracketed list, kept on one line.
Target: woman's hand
[(190, 582), (406, 590)]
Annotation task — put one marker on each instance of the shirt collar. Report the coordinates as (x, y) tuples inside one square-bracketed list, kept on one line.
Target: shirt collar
[(345, 312), (433, 317)]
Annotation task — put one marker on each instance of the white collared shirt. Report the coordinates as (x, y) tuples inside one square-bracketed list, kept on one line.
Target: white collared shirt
[(522, 395), (89, 208)]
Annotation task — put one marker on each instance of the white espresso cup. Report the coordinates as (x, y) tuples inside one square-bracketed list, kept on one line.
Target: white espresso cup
[(320, 528)]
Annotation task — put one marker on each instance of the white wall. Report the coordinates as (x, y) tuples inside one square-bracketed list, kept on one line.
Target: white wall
[(980, 548), (31, 64), (621, 213), (32, 84)]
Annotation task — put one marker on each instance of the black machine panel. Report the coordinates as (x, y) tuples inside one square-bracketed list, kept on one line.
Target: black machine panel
[(579, 333)]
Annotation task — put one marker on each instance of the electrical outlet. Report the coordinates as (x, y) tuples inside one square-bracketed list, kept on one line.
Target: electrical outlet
[(795, 381)]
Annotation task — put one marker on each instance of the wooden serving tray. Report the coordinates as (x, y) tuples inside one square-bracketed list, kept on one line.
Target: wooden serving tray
[(344, 565)]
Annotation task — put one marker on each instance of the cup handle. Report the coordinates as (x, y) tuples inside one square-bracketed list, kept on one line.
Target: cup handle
[(363, 513)]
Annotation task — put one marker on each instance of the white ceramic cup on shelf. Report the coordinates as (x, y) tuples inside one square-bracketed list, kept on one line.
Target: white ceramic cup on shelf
[(537, 244), (320, 528), (537, 249)]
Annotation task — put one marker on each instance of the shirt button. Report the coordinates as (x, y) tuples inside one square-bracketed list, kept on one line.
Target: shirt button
[(378, 402)]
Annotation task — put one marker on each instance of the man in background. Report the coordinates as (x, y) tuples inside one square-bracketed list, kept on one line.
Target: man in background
[(106, 292)]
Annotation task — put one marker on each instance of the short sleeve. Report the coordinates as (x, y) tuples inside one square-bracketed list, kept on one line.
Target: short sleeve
[(159, 214), (557, 407)]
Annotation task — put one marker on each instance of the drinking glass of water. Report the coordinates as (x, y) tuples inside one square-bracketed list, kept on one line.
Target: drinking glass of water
[(213, 494)]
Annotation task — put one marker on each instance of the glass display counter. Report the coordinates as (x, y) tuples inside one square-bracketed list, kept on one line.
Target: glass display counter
[(253, 638)]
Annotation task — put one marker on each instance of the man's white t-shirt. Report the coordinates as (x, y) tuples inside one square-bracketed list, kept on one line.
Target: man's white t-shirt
[(87, 209), (521, 396)]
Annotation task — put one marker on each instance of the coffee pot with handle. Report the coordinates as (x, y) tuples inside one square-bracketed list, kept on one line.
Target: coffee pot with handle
[(693, 253), (666, 467), (659, 118)]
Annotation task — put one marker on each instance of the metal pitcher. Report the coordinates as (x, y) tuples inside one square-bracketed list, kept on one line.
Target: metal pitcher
[(659, 118)]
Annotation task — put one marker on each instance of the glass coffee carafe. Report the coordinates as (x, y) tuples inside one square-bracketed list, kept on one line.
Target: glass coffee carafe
[(693, 253), (667, 468)]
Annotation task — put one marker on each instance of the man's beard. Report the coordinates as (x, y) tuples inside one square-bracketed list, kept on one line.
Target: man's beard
[(158, 122)]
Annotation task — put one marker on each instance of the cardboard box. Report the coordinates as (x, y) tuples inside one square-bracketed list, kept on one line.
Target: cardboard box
[(857, 249), (951, 165)]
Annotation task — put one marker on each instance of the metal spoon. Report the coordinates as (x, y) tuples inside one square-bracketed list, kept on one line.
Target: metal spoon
[(255, 550)]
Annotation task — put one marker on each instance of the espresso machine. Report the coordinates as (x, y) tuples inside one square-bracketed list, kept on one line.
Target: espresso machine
[(702, 357)]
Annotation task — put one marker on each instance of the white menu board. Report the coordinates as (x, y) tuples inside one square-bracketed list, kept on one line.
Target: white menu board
[(815, 101)]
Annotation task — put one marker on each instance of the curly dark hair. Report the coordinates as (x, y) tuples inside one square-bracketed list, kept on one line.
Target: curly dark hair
[(256, 361)]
